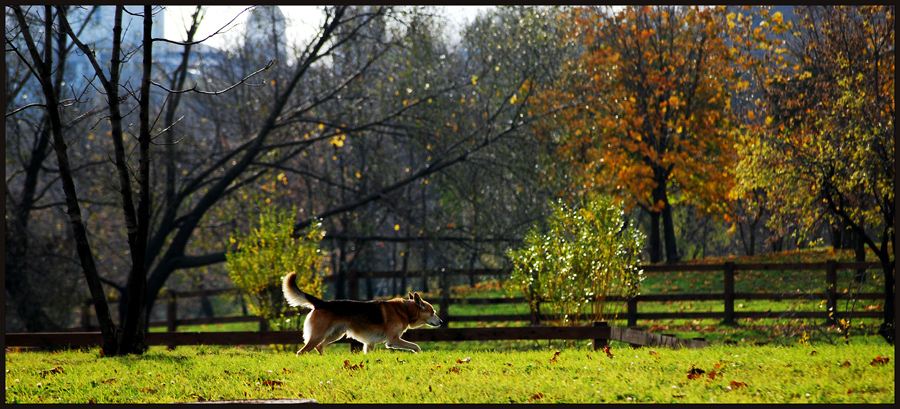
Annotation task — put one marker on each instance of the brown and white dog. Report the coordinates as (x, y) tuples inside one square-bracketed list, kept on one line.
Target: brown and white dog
[(369, 322)]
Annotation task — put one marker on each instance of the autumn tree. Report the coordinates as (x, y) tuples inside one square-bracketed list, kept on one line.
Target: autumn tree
[(646, 115), (819, 140)]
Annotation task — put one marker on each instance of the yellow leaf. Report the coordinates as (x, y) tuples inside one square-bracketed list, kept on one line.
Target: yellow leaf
[(674, 101), (768, 120), (321, 126), (474, 80), (358, 175), (777, 17), (396, 227), (751, 115)]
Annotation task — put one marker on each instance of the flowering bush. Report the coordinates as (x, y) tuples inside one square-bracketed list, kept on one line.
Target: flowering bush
[(585, 255), (256, 262)]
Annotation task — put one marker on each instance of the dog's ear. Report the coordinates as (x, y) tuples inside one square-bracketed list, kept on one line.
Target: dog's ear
[(418, 300), (411, 296)]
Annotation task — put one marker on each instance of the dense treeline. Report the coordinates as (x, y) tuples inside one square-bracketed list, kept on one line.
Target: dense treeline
[(722, 130)]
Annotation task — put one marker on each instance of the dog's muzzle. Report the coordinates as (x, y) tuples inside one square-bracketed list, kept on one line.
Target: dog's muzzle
[(434, 321)]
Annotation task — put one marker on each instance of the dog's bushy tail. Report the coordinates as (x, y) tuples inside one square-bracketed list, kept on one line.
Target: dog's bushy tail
[(295, 297)]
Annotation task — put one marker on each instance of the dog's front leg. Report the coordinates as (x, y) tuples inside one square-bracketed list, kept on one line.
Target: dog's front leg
[(402, 344)]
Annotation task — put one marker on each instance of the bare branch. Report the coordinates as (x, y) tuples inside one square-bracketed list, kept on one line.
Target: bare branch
[(166, 40), (195, 90)]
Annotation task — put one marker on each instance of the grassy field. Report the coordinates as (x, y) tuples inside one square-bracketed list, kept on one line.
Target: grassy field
[(762, 361), (856, 373)]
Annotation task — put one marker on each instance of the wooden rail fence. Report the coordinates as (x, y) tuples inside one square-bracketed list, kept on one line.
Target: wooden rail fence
[(599, 332), (728, 296)]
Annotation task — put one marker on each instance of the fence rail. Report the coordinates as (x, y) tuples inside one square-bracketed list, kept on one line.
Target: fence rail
[(728, 296), (599, 332)]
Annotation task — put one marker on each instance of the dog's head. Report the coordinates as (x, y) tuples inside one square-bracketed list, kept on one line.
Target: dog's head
[(423, 313)]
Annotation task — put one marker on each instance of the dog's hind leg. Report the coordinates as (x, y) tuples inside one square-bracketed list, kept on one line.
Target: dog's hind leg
[(329, 339), (312, 343)]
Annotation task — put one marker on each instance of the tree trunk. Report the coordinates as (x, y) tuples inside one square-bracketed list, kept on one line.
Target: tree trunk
[(669, 231), (82, 244), (135, 320), (661, 197), (655, 239)]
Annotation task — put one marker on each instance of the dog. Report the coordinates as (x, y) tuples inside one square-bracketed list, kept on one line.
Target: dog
[(369, 322)]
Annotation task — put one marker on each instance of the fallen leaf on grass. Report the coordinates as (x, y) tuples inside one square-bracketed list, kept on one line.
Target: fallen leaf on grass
[(879, 361), (695, 373), (537, 396), (464, 361), (110, 380), (52, 371), (554, 356), (737, 385), (454, 369), (846, 364), (273, 384), (148, 390), (652, 352), (813, 353), (713, 374), (609, 354), (352, 367)]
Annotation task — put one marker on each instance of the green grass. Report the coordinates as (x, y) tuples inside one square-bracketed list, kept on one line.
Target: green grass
[(463, 374)]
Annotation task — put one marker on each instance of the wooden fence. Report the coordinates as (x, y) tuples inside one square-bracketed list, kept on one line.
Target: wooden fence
[(599, 332), (830, 293)]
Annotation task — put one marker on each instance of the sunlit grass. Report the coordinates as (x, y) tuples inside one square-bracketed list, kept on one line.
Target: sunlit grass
[(764, 374)]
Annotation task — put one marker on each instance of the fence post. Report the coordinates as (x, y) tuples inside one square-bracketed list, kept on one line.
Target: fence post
[(263, 324), (600, 343), (445, 299), (632, 311), (831, 291), (729, 294)]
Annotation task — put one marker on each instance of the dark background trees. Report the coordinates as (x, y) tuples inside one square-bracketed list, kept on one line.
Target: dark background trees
[(420, 152)]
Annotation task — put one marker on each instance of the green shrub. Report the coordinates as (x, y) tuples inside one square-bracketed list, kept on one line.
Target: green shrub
[(583, 257), (256, 263)]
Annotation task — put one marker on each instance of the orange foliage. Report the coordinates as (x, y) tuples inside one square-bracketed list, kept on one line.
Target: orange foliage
[(647, 104)]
